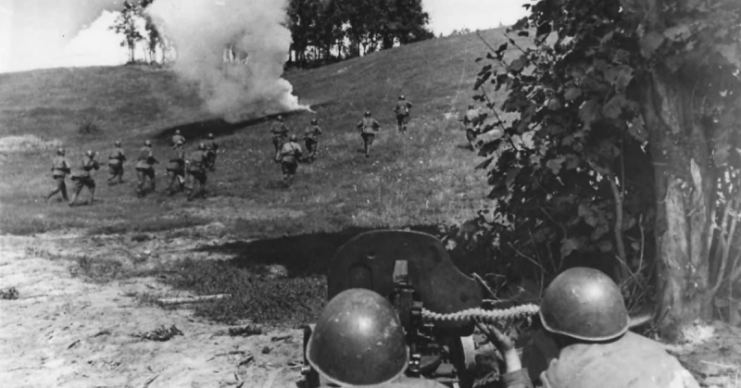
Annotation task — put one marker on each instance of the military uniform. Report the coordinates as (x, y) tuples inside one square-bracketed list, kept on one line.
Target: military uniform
[(583, 313), (402, 114), (84, 179), (196, 168), (288, 157), (176, 173), (279, 130), (145, 169), (311, 135), (178, 141), (472, 121), (211, 148), (368, 128), (59, 169), (116, 160)]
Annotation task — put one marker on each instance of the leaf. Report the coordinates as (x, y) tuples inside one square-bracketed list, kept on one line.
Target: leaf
[(599, 231), (481, 79), (501, 49), (554, 104), (730, 53), (555, 164), (518, 64), (650, 43), (572, 94), (543, 30), (619, 76), (637, 129), (589, 112), (523, 33), (677, 33), (605, 246), (614, 107), (569, 245), (588, 215)]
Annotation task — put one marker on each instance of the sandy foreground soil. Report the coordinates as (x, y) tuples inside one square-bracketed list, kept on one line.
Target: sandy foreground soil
[(65, 330)]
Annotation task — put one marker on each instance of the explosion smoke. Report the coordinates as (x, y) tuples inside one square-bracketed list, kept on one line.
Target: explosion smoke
[(201, 31), (36, 31)]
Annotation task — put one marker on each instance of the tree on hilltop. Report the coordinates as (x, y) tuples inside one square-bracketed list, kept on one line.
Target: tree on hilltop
[(126, 25), (625, 146)]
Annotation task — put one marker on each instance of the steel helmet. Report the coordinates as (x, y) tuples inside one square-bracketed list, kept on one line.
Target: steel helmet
[(586, 304), (60, 152), (314, 121), (201, 146), (367, 113), (470, 106), (358, 340), (89, 153), (279, 118), (210, 135), (293, 137), (177, 131), (147, 143), (117, 143), (401, 97)]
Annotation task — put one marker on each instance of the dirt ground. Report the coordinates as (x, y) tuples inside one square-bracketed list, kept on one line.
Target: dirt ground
[(66, 330)]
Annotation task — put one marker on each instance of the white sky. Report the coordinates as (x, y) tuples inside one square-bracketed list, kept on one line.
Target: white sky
[(449, 15), (97, 45)]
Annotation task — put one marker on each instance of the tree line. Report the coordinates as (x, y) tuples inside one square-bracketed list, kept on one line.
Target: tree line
[(326, 31), (323, 31)]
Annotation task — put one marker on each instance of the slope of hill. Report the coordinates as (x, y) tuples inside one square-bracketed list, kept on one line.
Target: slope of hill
[(423, 178)]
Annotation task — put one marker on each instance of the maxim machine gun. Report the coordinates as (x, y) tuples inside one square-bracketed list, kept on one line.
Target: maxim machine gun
[(435, 302)]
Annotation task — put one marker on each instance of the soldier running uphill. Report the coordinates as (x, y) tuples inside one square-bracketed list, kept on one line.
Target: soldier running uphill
[(472, 120), (368, 128), (279, 131), (176, 173), (59, 170), (196, 167), (289, 155), (402, 110), (178, 141), (311, 135), (145, 168), (116, 160), (84, 179), (211, 149)]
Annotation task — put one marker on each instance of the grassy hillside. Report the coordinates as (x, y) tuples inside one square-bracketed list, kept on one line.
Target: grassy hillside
[(423, 178)]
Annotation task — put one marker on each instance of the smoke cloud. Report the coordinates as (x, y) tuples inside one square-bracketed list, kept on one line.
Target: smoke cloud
[(36, 32), (244, 81)]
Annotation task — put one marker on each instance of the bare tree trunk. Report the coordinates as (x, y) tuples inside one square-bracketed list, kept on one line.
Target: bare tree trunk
[(684, 183)]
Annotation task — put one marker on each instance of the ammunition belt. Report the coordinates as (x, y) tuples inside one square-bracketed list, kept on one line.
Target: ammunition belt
[(512, 313)]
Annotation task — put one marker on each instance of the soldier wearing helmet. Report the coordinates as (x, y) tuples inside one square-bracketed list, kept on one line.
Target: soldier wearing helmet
[(211, 148), (178, 141), (359, 341), (584, 315), (288, 157), (116, 160), (83, 178), (279, 130), (145, 162), (59, 169), (472, 122), (176, 172), (402, 110), (311, 134), (368, 127), (195, 166)]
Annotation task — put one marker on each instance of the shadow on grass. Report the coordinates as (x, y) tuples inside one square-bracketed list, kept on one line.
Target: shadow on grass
[(301, 255), (199, 130)]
